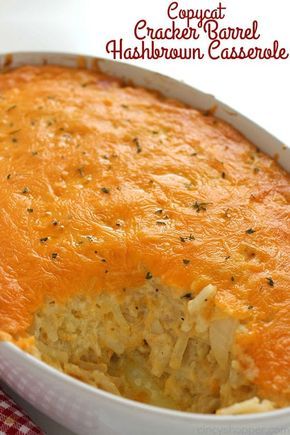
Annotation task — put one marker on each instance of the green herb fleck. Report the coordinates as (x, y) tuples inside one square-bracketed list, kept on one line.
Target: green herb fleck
[(90, 82), (187, 296), (184, 239), (54, 255), (200, 206), (270, 282), (137, 143), (92, 238), (11, 108), (105, 190), (250, 231), (161, 223), (25, 190), (81, 171), (148, 275), (43, 239), (15, 132)]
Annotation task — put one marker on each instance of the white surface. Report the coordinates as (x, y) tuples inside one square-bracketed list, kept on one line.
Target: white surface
[(259, 90), (86, 410)]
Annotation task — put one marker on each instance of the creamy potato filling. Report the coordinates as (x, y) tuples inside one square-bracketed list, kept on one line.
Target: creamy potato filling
[(149, 345)]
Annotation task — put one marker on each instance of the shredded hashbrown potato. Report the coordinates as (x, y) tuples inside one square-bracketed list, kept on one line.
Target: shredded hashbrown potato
[(149, 346)]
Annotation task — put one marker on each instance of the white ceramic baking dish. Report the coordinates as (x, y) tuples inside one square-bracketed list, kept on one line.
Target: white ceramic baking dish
[(87, 410)]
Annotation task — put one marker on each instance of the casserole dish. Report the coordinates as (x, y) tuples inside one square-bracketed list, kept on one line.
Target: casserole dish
[(160, 83)]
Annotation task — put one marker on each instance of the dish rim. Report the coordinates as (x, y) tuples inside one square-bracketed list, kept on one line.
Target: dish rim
[(66, 379), (124, 402)]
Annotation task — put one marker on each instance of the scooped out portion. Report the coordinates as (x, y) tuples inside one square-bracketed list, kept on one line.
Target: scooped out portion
[(149, 345)]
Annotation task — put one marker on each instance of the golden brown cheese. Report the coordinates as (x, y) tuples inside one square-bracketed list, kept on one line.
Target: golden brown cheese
[(105, 185)]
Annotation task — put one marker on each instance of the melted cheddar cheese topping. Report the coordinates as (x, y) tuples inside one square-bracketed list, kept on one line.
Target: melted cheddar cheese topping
[(105, 185)]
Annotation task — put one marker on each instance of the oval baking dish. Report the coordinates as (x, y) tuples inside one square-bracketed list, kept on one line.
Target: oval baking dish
[(94, 410)]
